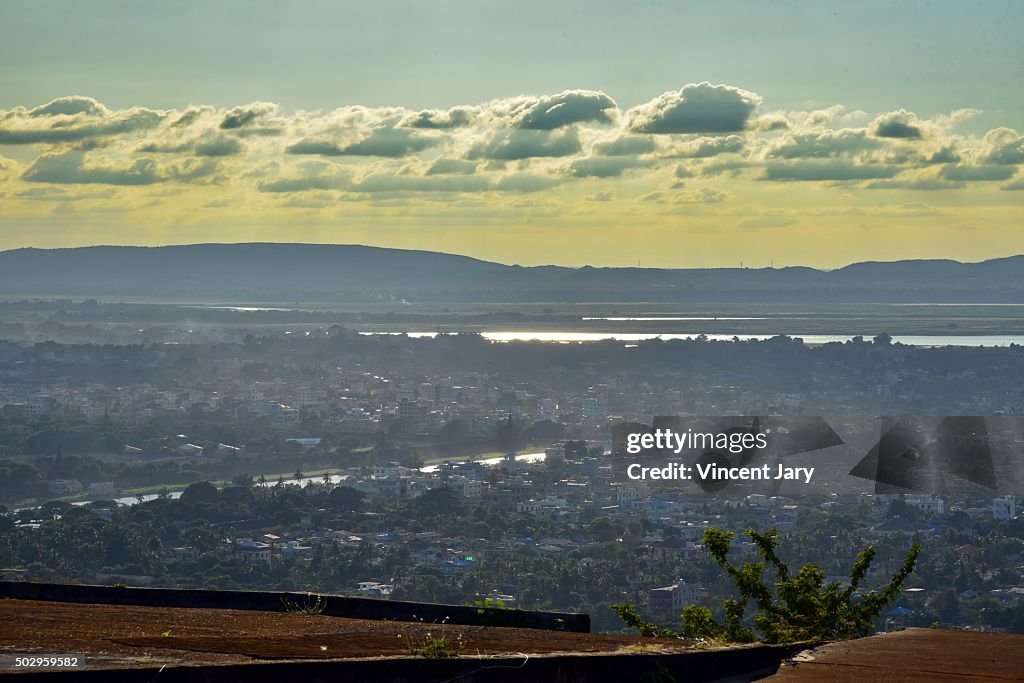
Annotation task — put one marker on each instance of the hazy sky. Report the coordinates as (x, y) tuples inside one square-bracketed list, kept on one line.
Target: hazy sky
[(610, 133)]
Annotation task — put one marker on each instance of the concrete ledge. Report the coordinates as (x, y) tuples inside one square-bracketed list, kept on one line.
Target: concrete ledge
[(269, 601), (747, 663)]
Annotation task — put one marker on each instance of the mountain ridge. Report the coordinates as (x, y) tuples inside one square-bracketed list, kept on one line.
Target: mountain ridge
[(351, 272)]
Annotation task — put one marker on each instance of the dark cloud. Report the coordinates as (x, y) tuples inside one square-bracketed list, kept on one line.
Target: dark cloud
[(245, 115), (382, 142), (218, 147), (626, 145), (732, 167), (1016, 185), (71, 168), (697, 108), (524, 144), (946, 155), (826, 169), (897, 124), (569, 107), (958, 173), (194, 170), (321, 147), (438, 119), (190, 116), (22, 127), (446, 166)]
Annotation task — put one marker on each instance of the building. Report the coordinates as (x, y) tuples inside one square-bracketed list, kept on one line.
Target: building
[(1004, 509), (674, 597), (929, 505)]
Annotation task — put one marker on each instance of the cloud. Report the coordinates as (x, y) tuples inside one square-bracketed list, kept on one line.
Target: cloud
[(218, 147), (525, 182), (696, 108), (72, 119), (207, 146), (190, 116), (975, 173), (524, 144), (605, 167), (625, 145), (247, 114), (443, 166), (924, 184), (944, 155), (567, 108), (897, 124), (71, 168), (439, 119), (730, 167), (769, 122), (312, 177), (826, 169), (385, 182), (49, 193), (704, 195), (193, 170), (603, 196), (381, 142), (707, 147), (1016, 185), (1003, 146), (824, 144), (70, 106), (683, 172)]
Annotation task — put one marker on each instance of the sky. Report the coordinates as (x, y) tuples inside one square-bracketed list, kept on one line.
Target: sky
[(669, 134)]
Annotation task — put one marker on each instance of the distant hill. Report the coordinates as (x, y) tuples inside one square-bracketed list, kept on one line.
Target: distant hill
[(332, 273)]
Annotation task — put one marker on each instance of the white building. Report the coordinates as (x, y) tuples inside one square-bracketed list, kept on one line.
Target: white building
[(929, 505), (473, 488), (1004, 509), (675, 596)]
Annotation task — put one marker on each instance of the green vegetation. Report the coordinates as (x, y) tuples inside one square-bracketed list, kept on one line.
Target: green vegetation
[(435, 646), (796, 607), (308, 605)]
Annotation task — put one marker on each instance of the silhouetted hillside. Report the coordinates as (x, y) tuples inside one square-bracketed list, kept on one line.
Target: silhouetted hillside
[(325, 273)]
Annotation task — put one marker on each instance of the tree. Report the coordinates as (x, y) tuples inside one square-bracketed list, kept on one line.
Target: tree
[(200, 492), (796, 607), (346, 499)]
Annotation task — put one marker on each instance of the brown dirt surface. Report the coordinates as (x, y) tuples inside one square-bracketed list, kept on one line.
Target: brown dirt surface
[(125, 636), (910, 656)]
